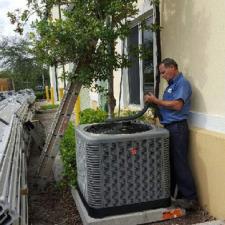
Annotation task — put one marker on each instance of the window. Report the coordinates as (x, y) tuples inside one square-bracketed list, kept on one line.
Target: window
[(133, 70), (148, 66), (141, 71)]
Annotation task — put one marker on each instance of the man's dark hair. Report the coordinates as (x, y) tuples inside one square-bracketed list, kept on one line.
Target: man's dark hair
[(169, 62)]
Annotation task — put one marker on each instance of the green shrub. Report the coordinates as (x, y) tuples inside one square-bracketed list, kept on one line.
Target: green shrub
[(68, 153), (92, 116), (68, 143), (40, 95)]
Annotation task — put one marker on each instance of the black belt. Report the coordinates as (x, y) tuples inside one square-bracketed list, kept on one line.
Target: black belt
[(175, 122)]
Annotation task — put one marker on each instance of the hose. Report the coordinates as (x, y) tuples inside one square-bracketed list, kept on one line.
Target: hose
[(137, 115)]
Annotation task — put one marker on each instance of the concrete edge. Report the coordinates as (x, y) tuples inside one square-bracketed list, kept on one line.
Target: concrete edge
[(137, 218)]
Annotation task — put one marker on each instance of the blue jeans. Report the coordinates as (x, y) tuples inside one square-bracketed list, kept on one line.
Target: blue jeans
[(180, 170)]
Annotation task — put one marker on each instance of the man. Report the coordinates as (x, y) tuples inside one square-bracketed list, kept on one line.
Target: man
[(174, 109)]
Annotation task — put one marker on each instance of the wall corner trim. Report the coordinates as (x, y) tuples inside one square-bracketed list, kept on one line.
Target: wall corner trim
[(207, 121)]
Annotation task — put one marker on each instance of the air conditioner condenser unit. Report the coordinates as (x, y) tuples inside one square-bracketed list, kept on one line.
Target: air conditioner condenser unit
[(122, 167)]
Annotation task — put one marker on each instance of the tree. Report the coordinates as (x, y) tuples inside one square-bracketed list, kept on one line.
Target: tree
[(20, 64), (85, 36)]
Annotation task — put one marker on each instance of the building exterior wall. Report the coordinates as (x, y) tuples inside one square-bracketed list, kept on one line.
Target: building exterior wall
[(117, 78), (86, 97), (85, 101), (145, 11), (143, 6), (193, 34), (207, 160), (53, 81)]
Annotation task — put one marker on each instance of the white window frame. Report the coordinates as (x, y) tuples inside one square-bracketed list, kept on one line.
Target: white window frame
[(125, 86)]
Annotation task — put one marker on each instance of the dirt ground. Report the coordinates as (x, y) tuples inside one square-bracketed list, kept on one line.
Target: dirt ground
[(55, 206)]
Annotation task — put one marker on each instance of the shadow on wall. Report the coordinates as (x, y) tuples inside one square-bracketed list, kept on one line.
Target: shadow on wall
[(185, 38)]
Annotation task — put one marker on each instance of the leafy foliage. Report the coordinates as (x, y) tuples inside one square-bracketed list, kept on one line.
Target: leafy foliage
[(85, 33), (39, 95), (92, 116), (68, 153), (20, 64)]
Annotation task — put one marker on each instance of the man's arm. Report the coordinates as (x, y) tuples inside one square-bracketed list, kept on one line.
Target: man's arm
[(173, 104)]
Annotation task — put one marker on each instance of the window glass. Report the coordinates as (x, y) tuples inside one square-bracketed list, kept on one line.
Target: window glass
[(133, 70), (148, 66), (147, 70)]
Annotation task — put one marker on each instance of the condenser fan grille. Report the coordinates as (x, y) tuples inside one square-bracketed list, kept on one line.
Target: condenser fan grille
[(116, 171)]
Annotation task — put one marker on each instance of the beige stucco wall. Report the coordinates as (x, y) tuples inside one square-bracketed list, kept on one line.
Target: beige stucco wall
[(207, 160), (193, 33)]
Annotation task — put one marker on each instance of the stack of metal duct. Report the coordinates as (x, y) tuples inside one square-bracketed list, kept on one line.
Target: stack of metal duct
[(15, 111)]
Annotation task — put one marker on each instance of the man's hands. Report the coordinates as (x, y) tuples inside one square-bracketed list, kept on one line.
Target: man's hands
[(169, 104), (150, 98)]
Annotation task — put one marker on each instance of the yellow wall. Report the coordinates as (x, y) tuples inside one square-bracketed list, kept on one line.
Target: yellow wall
[(208, 164), (193, 33)]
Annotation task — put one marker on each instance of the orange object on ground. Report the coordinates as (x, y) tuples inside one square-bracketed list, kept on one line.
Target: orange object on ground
[(173, 213)]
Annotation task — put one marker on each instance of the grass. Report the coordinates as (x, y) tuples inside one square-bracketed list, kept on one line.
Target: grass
[(47, 107)]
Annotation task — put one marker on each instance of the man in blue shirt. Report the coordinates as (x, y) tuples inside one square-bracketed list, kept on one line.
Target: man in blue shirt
[(174, 109)]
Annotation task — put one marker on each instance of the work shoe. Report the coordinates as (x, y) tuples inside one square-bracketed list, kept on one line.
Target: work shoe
[(187, 204)]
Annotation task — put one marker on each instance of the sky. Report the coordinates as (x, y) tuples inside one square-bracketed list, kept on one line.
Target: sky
[(6, 28)]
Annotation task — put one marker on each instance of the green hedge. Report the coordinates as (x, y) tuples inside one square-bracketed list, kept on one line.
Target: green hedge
[(67, 150), (68, 143), (92, 116), (40, 95)]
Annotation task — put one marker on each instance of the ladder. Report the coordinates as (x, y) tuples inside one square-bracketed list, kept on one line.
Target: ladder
[(61, 120), (57, 130)]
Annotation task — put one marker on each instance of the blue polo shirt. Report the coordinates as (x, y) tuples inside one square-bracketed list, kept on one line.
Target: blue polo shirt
[(178, 88)]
